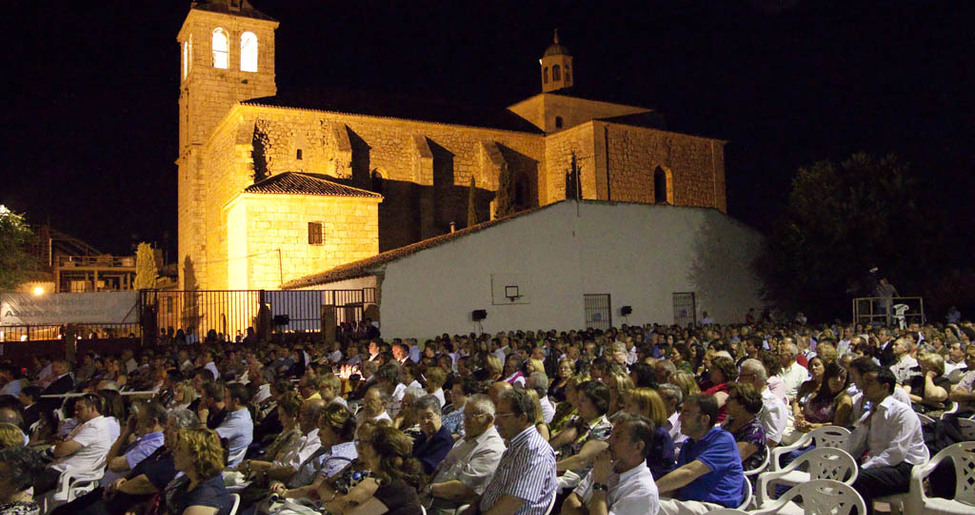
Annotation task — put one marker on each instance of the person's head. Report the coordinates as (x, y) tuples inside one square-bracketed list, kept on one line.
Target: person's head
[(686, 382), (198, 453), (289, 408), (816, 368), (594, 398), (933, 362), (87, 407), (428, 415), (237, 396), (619, 384), (214, 395), (698, 415), (336, 425), (478, 415), (835, 380), (744, 401), (152, 418), (515, 413), (493, 367), (902, 347), (672, 396), (630, 441), (497, 389), (375, 400), (400, 352), (723, 370), (970, 356), (388, 376), (10, 435), (647, 402), (330, 386), (788, 352), (877, 385), (955, 352), (512, 364), (436, 377), (309, 414), (753, 373), (309, 385), (659, 373), (20, 468), (388, 453), (859, 368)]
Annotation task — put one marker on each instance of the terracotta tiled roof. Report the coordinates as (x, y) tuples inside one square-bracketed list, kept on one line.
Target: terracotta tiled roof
[(371, 265), (297, 183)]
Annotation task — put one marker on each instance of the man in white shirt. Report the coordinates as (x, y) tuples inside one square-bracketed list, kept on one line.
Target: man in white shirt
[(886, 441), (620, 481), (87, 446), (792, 374), (462, 476), (774, 414), (374, 405), (905, 367), (955, 359)]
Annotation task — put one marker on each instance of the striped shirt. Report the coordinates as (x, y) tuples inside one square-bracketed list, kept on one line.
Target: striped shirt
[(526, 471)]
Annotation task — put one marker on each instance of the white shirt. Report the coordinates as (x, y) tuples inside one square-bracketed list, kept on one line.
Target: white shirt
[(951, 367), (95, 437), (548, 411), (892, 437), (903, 369), (262, 394), (858, 401), (212, 367), (774, 416), (472, 461), (630, 493), (793, 377), (303, 448), (439, 395), (673, 427)]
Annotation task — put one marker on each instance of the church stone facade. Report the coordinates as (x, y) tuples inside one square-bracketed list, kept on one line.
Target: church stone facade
[(276, 187)]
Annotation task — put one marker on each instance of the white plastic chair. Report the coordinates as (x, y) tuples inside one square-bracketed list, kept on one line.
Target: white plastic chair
[(746, 494), (925, 420), (761, 467), (72, 484), (951, 407), (819, 497), (826, 436), (728, 511), (963, 458), (899, 501), (551, 504), (236, 499), (824, 463)]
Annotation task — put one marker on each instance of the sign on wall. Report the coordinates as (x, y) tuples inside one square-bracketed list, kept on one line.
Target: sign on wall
[(69, 308)]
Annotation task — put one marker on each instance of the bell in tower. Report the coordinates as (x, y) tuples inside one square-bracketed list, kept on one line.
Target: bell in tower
[(556, 66)]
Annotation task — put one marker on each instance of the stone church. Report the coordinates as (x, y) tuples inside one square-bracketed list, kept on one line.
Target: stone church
[(277, 186)]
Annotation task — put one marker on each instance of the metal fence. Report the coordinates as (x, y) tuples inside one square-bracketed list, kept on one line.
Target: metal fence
[(230, 312), (888, 311), (29, 333), (599, 314)]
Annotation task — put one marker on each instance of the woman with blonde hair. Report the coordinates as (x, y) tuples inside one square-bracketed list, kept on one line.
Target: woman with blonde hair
[(686, 382), (620, 384), (493, 367), (570, 408), (646, 402), (540, 424), (183, 396), (200, 491)]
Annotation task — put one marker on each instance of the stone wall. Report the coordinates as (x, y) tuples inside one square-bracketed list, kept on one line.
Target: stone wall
[(559, 149), (696, 163), (270, 234)]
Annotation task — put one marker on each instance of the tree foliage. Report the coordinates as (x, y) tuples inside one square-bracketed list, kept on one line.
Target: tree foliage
[(841, 221), (16, 263), (472, 203), (146, 272)]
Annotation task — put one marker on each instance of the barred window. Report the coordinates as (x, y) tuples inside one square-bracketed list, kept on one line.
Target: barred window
[(316, 233)]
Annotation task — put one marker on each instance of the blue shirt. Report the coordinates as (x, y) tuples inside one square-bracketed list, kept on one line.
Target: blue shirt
[(723, 485), (238, 429), (141, 449), (526, 471)]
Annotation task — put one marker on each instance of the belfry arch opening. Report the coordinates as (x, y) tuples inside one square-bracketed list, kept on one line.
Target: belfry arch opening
[(663, 186)]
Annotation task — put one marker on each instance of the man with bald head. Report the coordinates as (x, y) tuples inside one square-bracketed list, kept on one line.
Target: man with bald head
[(497, 389)]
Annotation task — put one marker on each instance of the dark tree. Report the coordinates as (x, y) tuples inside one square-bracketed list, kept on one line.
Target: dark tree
[(842, 220), (16, 263)]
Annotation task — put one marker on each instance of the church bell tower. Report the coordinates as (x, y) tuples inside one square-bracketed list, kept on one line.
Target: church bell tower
[(556, 66), (226, 50)]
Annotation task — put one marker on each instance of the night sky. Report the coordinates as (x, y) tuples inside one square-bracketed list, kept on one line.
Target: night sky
[(90, 121)]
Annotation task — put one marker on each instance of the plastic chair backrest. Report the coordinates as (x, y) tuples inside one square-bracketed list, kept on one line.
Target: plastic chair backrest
[(831, 463), (963, 457), (746, 494), (830, 436), (821, 497), (236, 499)]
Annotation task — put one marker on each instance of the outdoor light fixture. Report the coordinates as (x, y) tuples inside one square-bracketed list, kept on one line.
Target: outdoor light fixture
[(38, 290)]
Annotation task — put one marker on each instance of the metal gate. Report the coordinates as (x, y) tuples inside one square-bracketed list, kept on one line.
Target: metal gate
[(685, 309), (599, 314), (230, 312)]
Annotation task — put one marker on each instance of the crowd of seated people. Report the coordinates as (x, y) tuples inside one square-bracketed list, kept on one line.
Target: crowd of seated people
[(660, 418)]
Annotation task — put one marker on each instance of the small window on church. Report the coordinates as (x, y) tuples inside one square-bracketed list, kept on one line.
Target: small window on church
[(568, 78), (316, 233), (248, 52), (221, 53), (545, 75), (558, 122), (556, 73), (298, 155)]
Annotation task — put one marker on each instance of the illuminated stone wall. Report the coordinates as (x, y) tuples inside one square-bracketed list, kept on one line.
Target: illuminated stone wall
[(268, 237)]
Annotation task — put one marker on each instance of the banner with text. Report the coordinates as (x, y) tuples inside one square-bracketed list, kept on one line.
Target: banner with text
[(117, 307)]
